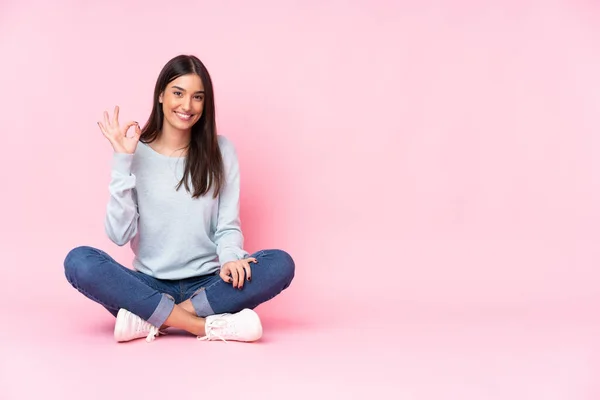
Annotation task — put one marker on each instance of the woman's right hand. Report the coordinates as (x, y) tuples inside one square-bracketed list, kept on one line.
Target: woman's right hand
[(117, 136)]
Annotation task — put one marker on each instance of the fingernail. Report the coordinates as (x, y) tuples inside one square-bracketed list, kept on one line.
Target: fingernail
[(249, 279)]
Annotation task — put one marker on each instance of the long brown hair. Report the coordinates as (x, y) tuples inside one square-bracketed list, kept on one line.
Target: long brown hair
[(203, 162)]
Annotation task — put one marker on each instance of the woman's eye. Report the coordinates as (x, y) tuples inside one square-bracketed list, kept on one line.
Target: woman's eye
[(177, 93), (199, 98)]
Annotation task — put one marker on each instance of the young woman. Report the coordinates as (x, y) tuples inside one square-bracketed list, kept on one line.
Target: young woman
[(174, 195)]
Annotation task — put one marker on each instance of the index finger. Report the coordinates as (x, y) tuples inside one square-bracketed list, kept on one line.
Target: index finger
[(129, 125)]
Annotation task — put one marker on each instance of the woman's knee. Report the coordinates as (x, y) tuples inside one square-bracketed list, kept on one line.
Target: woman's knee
[(78, 263), (284, 266)]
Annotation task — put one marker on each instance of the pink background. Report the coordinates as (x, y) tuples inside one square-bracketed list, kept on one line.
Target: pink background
[(431, 166)]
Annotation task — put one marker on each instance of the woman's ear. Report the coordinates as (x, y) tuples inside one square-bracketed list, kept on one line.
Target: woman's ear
[(160, 98)]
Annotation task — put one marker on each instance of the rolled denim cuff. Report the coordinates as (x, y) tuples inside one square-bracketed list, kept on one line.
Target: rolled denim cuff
[(162, 312), (201, 304)]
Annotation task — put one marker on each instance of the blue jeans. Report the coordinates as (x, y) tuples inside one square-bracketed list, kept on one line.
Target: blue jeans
[(100, 278)]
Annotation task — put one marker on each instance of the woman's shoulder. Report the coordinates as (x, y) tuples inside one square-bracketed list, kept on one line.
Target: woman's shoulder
[(225, 144)]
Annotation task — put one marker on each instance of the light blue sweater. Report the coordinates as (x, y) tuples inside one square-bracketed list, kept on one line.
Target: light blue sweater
[(172, 235)]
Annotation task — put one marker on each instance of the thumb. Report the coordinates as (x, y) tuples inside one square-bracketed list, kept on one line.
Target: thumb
[(138, 131)]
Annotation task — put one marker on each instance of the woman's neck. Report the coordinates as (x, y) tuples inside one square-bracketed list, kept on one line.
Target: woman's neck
[(171, 142)]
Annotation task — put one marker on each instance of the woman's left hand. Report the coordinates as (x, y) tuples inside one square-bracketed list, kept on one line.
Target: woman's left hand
[(234, 271)]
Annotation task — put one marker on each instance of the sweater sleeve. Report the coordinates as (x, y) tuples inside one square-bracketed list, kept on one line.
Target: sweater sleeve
[(228, 236), (121, 212)]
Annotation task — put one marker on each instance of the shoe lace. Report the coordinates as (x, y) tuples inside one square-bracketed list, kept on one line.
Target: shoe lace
[(154, 332), (213, 327)]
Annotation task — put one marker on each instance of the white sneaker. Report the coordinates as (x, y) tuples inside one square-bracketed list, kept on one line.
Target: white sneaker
[(243, 326), (129, 326)]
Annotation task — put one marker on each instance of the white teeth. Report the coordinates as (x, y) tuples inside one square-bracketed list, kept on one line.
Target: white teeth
[(183, 116)]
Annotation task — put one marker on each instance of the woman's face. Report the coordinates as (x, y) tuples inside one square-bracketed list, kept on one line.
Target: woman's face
[(183, 102)]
